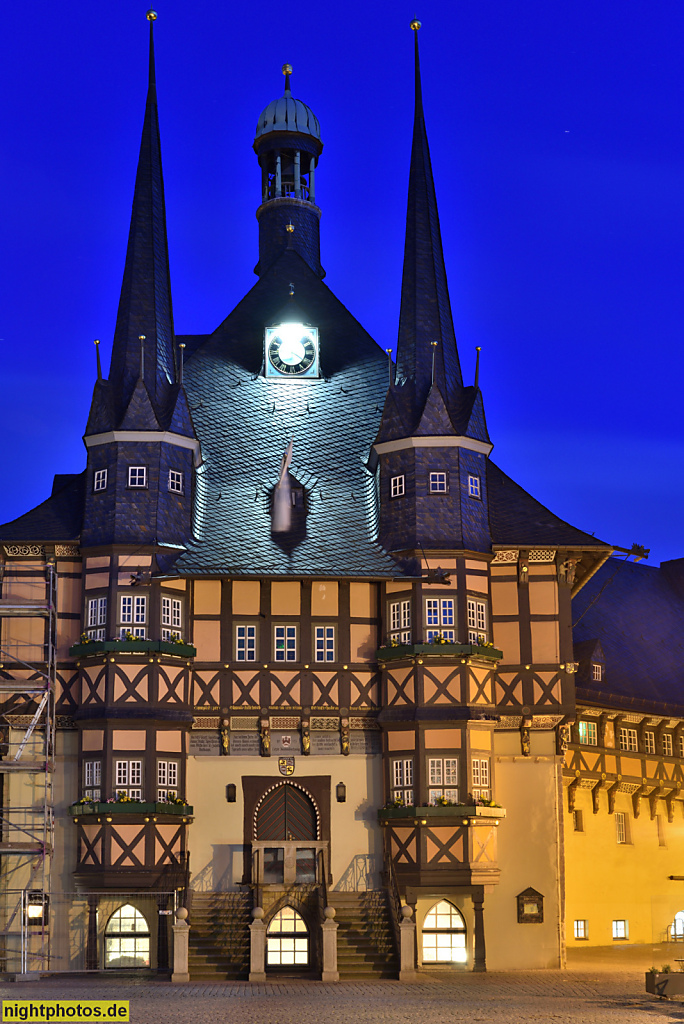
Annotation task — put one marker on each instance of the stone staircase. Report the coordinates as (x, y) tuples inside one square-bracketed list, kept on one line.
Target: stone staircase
[(365, 938), (219, 936)]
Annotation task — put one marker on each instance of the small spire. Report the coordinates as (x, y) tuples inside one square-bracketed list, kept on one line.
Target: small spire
[(97, 356), (181, 361), (389, 364), (152, 17), (478, 349), (141, 339), (287, 71)]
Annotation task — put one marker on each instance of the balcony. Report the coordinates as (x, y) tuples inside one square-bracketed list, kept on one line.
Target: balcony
[(118, 807), (393, 653), (459, 811), (96, 648)]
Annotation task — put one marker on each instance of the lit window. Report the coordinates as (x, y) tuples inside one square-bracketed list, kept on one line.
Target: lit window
[(681, 745), (480, 778), (444, 935), (128, 779), (677, 926), (620, 929), (578, 821), (245, 643), (100, 480), (667, 744), (581, 929), (438, 483), (596, 672), (397, 486), (402, 780), (285, 643), (127, 939), (175, 481), (171, 617), (167, 779), (97, 617), (92, 779), (587, 733), (442, 773), (474, 487), (324, 643), (287, 939), (649, 742), (621, 827), (477, 621), (133, 614), (400, 621), (628, 739), (137, 476)]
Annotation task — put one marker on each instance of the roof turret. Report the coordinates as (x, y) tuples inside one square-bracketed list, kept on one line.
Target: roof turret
[(287, 114)]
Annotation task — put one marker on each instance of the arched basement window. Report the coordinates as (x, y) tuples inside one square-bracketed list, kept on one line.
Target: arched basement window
[(444, 935), (677, 926), (127, 939), (287, 940)]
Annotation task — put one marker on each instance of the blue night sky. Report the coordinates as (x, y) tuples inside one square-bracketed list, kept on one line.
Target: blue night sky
[(558, 152)]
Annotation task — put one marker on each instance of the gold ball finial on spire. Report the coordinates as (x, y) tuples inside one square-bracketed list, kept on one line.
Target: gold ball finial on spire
[(151, 15), (287, 69), (415, 25)]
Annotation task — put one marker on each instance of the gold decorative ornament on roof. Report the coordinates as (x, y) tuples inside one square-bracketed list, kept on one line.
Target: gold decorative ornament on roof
[(415, 25), (151, 15)]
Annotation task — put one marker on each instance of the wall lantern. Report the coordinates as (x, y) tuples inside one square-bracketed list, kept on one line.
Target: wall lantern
[(341, 792), (231, 793), (37, 907)]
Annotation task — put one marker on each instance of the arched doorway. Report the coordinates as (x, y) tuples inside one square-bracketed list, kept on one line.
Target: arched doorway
[(444, 935), (287, 940), (127, 939), (286, 813), (677, 927)]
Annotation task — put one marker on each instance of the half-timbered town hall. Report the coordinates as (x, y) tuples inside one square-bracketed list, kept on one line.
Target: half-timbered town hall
[(291, 662)]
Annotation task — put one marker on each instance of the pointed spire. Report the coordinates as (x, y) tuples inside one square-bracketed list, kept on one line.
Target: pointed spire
[(145, 303), (287, 71), (425, 315)]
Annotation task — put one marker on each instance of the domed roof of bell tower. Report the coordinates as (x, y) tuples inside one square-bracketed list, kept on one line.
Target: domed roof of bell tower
[(287, 114)]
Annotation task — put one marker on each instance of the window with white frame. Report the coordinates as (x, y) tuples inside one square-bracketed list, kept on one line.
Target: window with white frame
[(581, 929), (285, 643), (167, 780), (400, 621), (324, 643), (480, 778), (621, 830), (133, 615), (628, 740), (649, 742), (477, 621), (440, 616), (402, 780), (680, 745), (667, 744), (137, 476), (245, 642), (97, 618), (621, 929), (397, 486), (128, 779), (92, 780), (587, 733), (596, 671), (100, 480), (442, 773), (438, 483), (474, 486), (444, 935), (175, 481), (171, 617)]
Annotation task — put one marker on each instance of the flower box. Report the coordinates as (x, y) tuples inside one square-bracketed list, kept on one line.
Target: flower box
[(659, 983), (455, 811), (97, 647), (129, 807), (439, 651)]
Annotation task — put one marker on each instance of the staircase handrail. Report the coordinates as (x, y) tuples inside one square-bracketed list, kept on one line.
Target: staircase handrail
[(394, 900)]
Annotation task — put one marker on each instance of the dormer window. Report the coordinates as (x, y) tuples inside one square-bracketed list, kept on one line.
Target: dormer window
[(596, 671), (438, 483), (175, 481), (474, 487), (397, 486), (100, 480), (137, 476)]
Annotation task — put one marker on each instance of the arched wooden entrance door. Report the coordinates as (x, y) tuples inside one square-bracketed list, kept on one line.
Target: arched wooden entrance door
[(286, 814)]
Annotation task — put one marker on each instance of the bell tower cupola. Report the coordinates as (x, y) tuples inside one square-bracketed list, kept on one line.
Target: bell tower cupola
[(288, 146)]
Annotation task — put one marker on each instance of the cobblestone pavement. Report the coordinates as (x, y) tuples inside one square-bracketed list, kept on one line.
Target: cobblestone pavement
[(546, 996)]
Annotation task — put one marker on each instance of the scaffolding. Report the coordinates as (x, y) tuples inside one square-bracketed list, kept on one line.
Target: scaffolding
[(28, 678)]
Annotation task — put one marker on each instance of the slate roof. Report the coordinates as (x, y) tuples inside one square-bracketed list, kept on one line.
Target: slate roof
[(59, 518), (516, 518), (635, 612), (244, 423)]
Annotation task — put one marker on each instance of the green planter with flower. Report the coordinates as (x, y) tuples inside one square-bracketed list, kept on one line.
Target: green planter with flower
[(115, 807), (87, 648), (440, 811), (440, 650)]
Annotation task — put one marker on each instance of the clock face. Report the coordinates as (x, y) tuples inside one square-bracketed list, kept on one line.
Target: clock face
[(292, 350)]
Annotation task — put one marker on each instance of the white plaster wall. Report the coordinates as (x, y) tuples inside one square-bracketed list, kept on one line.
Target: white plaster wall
[(216, 835)]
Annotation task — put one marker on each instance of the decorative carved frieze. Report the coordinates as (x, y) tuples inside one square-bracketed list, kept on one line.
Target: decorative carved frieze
[(546, 555), (247, 724), (285, 722), (206, 723), (327, 723), (363, 723), (14, 550), (67, 551), (505, 556)]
